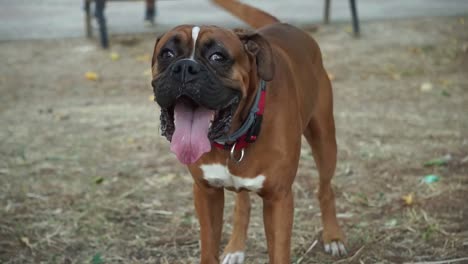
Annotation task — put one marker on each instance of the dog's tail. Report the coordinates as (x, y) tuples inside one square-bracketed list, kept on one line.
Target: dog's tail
[(249, 14)]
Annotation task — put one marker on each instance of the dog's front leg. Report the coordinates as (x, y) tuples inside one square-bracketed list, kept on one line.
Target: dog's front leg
[(278, 213), (209, 204)]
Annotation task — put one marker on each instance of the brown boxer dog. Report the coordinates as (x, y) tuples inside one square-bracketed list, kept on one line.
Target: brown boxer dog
[(234, 104)]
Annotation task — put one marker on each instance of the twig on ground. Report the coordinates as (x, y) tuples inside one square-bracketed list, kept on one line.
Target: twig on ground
[(130, 192), (25, 241), (439, 262), (37, 196), (49, 236), (307, 251), (161, 212), (352, 258)]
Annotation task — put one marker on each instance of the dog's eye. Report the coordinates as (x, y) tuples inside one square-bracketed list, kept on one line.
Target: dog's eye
[(167, 54), (217, 57)]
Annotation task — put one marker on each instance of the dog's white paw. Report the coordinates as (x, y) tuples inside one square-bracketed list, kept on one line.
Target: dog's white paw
[(234, 258), (336, 249)]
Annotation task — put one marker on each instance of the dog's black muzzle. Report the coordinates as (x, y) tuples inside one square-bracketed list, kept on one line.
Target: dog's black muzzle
[(188, 78)]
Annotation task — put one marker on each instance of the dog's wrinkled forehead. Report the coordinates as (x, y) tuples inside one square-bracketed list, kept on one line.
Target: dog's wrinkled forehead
[(190, 40)]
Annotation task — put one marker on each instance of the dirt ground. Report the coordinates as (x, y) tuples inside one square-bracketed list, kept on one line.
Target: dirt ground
[(86, 178)]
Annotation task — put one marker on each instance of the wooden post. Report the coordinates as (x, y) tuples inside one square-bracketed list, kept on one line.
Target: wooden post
[(354, 14), (326, 12), (88, 25)]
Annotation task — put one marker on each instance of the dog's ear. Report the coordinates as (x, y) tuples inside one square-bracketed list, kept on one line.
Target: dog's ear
[(153, 59), (257, 46)]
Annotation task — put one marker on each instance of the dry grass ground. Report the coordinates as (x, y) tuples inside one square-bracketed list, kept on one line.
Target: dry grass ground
[(86, 178)]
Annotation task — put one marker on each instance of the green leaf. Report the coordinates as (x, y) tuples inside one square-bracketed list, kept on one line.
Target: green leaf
[(431, 178), (445, 93), (97, 259), (435, 162), (439, 161), (99, 180)]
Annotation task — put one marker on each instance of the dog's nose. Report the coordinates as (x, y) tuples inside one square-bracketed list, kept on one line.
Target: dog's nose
[(186, 70)]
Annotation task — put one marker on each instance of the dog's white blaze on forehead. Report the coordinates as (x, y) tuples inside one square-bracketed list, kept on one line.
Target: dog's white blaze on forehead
[(195, 32), (218, 175)]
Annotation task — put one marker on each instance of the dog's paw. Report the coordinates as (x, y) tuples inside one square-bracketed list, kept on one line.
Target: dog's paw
[(234, 258), (335, 248)]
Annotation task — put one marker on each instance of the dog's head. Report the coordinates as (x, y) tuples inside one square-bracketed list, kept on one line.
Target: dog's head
[(201, 77)]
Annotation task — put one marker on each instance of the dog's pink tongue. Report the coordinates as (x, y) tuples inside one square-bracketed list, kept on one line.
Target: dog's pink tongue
[(190, 138)]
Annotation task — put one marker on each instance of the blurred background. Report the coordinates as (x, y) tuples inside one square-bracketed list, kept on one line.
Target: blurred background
[(85, 176), (22, 19)]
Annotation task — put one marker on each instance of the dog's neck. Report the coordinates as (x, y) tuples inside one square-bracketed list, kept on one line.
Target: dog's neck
[(246, 104)]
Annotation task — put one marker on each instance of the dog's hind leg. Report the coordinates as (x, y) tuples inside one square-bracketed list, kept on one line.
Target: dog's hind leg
[(320, 133), (235, 249)]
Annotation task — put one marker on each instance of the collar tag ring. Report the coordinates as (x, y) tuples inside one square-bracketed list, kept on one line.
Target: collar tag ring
[(233, 156)]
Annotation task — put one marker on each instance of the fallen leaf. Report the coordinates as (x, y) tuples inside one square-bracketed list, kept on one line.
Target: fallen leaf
[(415, 50), (99, 180), (144, 58), (426, 87), (408, 199), (114, 56), (445, 82), (61, 117), (431, 178), (92, 76), (396, 76), (151, 98), (331, 76), (26, 242), (445, 93)]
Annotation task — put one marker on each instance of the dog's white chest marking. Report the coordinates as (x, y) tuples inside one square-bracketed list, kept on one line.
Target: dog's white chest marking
[(218, 175), (195, 32)]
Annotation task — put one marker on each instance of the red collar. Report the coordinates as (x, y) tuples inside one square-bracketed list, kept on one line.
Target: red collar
[(250, 129)]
